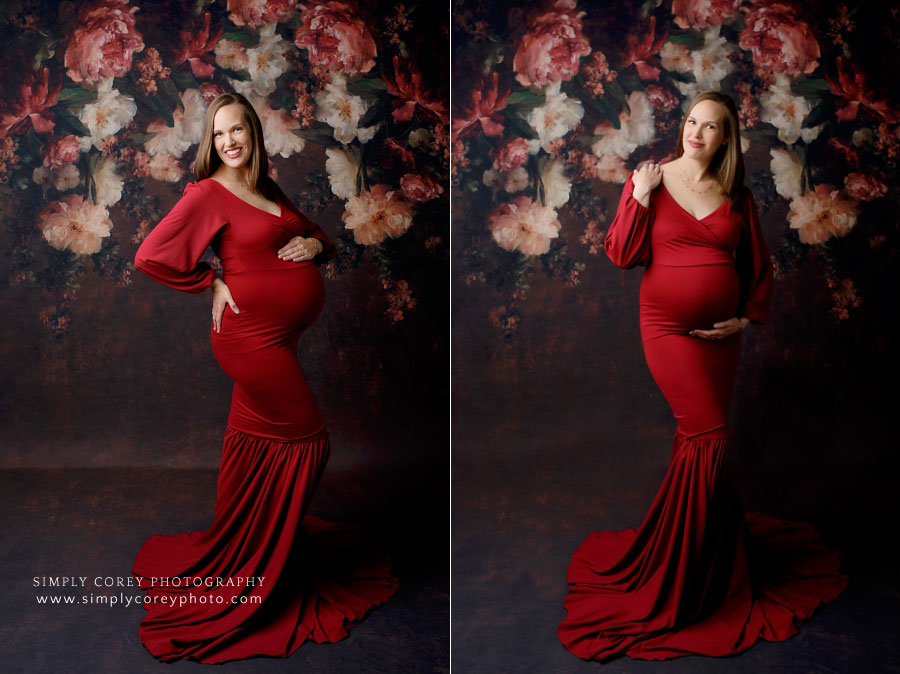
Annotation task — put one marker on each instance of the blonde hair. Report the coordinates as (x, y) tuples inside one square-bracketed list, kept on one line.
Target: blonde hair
[(727, 165), (208, 160)]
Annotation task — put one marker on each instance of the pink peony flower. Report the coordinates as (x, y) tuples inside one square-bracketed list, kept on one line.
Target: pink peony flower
[(257, 12), (661, 99), (209, 92), (780, 41), (864, 187), (702, 14), (524, 225), (196, 45), (35, 97), (377, 214), (75, 224), (821, 214), (336, 37), (641, 49), (407, 84), (849, 84), (62, 151), (420, 187), (103, 41), (511, 154), (484, 107), (552, 45)]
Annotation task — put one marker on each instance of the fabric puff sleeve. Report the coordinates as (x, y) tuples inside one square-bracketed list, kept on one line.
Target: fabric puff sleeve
[(754, 266), (171, 252), (627, 242)]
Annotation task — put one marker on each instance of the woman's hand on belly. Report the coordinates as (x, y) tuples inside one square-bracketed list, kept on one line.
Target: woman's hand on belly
[(300, 249), (221, 297), (721, 330)]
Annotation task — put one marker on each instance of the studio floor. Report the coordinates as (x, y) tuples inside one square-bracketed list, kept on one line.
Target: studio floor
[(517, 520), (91, 522)]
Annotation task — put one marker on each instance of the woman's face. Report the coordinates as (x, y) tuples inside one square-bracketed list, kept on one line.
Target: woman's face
[(231, 136), (704, 130)]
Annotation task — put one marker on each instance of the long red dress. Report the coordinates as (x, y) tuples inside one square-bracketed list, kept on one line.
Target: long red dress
[(699, 576), (263, 579)]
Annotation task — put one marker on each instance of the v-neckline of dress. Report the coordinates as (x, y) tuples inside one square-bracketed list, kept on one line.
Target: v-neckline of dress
[(280, 214), (711, 213)]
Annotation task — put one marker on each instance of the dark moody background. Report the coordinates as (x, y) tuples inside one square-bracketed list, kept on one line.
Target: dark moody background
[(112, 408), (558, 428)]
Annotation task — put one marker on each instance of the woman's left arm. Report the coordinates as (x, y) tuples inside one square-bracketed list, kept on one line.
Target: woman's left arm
[(313, 244)]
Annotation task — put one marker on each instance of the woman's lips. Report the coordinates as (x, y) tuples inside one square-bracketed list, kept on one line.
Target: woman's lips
[(694, 144), (234, 152)]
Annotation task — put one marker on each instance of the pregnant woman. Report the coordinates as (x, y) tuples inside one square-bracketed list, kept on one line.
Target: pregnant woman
[(262, 580), (699, 576)]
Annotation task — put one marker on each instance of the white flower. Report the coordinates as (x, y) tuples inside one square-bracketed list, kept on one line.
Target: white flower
[(343, 168), (555, 118), (556, 185), (109, 113), (107, 182), (342, 112), (419, 138), (745, 144), (786, 171), (636, 129), (783, 110), (516, 180), (809, 134), (165, 167), (64, 178), (265, 63), (710, 64), (186, 130), (863, 137), (231, 55), (676, 58), (611, 169), (278, 128)]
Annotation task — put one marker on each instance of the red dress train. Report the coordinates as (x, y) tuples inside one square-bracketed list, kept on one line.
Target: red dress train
[(699, 576), (264, 578)]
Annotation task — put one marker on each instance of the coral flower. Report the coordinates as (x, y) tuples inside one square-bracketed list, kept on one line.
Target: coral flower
[(849, 84), (377, 214), (103, 42), (702, 14), (821, 214), (336, 37), (35, 97), (552, 46), (524, 225), (780, 41), (420, 186), (484, 108), (75, 224), (196, 46), (406, 83), (864, 187), (255, 13)]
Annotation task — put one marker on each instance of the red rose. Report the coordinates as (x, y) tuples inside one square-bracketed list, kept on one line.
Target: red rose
[(511, 154), (701, 14), (780, 41), (103, 42), (552, 45), (257, 12), (65, 150), (336, 38), (863, 187), (420, 187)]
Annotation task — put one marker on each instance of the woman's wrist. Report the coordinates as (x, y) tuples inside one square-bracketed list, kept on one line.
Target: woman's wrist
[(743, 322), (319, 246)]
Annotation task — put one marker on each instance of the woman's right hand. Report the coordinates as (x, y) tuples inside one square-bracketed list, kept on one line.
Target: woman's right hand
[(221, 297), (646, 179)]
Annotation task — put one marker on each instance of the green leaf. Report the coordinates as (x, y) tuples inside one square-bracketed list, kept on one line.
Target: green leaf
[(158, 106), (606, 110), (236, 74), (763, 137), (688, 40), (519, 126), (318, 136), (822, 111), (525, 99), (375, 113), (245, 39), (184, 79), (76, 96), (169, 91), (812, 86), (70, 122), (614, 89), (367, 87)]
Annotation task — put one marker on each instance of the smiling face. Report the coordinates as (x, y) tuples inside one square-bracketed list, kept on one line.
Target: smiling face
[(704, 130), (231, 136)]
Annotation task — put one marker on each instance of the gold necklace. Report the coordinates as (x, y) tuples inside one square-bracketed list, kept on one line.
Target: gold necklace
[(687, 184)]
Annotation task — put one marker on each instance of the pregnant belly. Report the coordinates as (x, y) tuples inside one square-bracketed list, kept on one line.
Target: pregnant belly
[(273, 305), (676, 300)]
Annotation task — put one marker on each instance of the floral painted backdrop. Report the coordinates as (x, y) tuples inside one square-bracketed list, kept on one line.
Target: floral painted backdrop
[(104, 100), (556, 101), (101, 111)]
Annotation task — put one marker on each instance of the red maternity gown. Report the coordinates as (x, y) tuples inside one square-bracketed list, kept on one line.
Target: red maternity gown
[(205, 600), (699, 576)]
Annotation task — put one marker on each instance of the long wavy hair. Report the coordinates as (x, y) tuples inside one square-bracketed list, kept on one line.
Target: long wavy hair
[(208, 160), (727, 165)]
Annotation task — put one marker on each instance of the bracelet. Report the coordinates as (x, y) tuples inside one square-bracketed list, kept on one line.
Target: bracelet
[(742, 325)]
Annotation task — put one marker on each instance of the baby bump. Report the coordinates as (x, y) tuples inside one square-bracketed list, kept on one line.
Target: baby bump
[(680, 299)]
